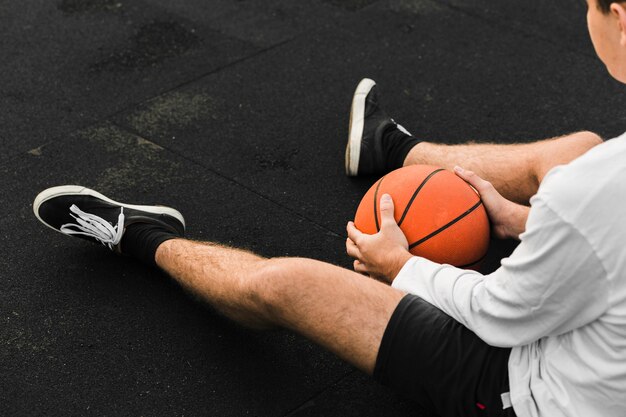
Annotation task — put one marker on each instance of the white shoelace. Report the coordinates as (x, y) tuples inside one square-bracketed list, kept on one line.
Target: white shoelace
[(95, 227)]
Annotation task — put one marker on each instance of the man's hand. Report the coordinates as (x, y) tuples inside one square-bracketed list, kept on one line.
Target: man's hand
[(508, 219), (381, 255)]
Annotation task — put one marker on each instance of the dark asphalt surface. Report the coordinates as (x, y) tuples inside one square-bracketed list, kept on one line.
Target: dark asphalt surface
[(236, 113)]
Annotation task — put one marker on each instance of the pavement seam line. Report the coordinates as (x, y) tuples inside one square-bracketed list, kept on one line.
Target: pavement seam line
[(161, 93), (206, 74), (133, 132)]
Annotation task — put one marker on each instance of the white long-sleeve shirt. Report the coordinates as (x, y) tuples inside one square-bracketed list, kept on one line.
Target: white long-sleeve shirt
[(559, 300)]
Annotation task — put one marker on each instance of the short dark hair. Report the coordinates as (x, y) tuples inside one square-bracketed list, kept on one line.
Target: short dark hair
[(605, 5)]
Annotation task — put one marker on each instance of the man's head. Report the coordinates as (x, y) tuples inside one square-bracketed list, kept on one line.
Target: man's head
[(606, 20)]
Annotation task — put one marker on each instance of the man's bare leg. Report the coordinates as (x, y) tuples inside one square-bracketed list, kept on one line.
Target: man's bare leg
[(376, 144), (515, 170), (337, 308)]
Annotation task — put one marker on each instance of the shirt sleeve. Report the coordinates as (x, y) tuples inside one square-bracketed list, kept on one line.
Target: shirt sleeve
[(552, 283)]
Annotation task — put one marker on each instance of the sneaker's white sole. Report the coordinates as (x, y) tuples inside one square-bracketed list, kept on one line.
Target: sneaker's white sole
[(357, 119), (62, 190)]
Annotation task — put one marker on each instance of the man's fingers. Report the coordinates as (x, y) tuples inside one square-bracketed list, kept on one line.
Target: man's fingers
[(473, 179), (360, 267), (352, 249), (468, 176), (386, 211), (353, 233)]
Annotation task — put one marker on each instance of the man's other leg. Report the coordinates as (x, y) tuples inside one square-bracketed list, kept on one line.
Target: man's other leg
[(377, 144), (336, 308), (515, 170)]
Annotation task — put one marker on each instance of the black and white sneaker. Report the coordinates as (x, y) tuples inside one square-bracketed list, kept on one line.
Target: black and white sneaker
[(78, 211), (365, 153)]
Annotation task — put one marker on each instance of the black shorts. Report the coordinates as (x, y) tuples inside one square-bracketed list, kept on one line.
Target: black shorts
[(430, 358)]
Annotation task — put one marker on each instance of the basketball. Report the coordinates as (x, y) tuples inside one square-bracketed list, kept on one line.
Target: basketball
[(440, 214)]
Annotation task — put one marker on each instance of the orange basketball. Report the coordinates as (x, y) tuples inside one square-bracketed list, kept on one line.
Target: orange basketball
[(441, 215)]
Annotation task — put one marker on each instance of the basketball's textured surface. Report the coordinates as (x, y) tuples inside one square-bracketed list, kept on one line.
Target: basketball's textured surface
[(441, 215)]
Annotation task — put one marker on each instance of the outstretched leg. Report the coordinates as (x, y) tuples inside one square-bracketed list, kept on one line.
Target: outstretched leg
[(337, 308)]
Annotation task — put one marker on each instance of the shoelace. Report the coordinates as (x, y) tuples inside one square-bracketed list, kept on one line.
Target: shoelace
[(95, 227)]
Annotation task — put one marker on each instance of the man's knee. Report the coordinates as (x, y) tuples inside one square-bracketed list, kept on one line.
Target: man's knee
[(589, 139), (276, 281), (562, 150)]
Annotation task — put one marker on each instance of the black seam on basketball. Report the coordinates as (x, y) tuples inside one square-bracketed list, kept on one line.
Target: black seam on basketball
[(444, 227), (473, 263), (380, 181), (408, 206)]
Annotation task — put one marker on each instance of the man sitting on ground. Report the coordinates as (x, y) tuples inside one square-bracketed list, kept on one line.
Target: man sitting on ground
[(544, 335)]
